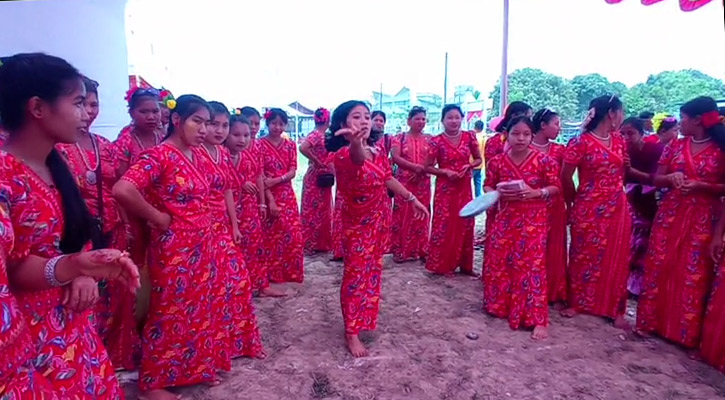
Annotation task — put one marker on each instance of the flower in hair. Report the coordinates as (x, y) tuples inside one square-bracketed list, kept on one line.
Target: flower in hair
[(130, 93), (268, 114), (658, 119), (237, 111), (323, 117), (167, 99)]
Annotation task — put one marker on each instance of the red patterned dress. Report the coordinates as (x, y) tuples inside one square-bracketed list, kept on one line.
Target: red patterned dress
[(363, 187), (68, 350), (178, 337), (451, 238), (600, 227), (556, 240), (337, 250), (514, 279), (678, 269), (284, 253), (231, 289), (115, 319), (384, 147), (18, 377), (316, 214), (410, 236), (248, 168), (712, 347), (127, 150)]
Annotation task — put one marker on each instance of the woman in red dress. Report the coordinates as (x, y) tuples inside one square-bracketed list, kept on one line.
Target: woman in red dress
[(178, 339), (42, 98), (379, 119), (496, 145), (546, 129), (451, 239), (363, 175), (515, 280), (599, 215), (678, 273), (642, 196), (666, 129), (142, 134), (233, 288), (316, 211), (18, 377), (283, 244), (410, 152), (92, 162)]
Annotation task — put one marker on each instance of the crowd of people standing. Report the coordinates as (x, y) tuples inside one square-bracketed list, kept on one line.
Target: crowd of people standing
[(145, 253)]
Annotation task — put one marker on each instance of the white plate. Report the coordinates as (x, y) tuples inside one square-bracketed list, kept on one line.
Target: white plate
[(479, 204)]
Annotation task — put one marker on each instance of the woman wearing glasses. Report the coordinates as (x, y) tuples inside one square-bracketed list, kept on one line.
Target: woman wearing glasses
[(410, 151), (451, 239), (91, 161), (546, 129), (678, 269), (600, 221)]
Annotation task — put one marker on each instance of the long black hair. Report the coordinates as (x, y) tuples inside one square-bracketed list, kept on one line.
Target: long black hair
[(22, 77), (543, 116), (515, 109), (702, 105), (339, 116), (602, 105), (518, 119), (636, 123), (217, 108), (186, 106)]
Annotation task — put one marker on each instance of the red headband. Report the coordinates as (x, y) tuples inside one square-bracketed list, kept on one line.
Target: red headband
[(710, 119)]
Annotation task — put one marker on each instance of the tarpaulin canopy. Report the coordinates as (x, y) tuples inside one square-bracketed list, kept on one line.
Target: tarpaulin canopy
[(685, 5)]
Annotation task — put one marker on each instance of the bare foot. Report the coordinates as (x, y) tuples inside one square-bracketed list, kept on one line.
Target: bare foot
[(642, 333), (568, 313), (160, 394), (271, 291), (357, 349), (215, 382), (558, 306), (540, 332), (694, 354), (621, 323)]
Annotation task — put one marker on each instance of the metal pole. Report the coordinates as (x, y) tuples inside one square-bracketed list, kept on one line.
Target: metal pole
[(504, 59), (445, 81)]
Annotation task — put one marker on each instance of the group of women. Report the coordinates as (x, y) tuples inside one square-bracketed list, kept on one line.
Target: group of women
[(190, 196), (644, 215)]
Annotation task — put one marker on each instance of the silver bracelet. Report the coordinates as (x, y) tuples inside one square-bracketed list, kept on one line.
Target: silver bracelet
[(49, 271), (545, 193), (410, 198)]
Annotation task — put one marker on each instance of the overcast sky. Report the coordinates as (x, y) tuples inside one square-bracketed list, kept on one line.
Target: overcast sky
[(322, 52)]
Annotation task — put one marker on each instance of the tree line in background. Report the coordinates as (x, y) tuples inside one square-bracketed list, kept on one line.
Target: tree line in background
[(663, 92)]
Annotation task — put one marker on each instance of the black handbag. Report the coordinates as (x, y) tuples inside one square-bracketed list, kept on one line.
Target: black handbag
[(325, 180)]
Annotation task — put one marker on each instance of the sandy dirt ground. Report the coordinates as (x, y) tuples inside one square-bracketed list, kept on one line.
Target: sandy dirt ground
[(422, 350)]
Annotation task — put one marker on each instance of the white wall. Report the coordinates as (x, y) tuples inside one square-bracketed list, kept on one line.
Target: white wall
[(90, 34)]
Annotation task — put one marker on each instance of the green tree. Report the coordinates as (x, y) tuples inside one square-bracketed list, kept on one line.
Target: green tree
[(591, 86), (539, 89), (664, 92)]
